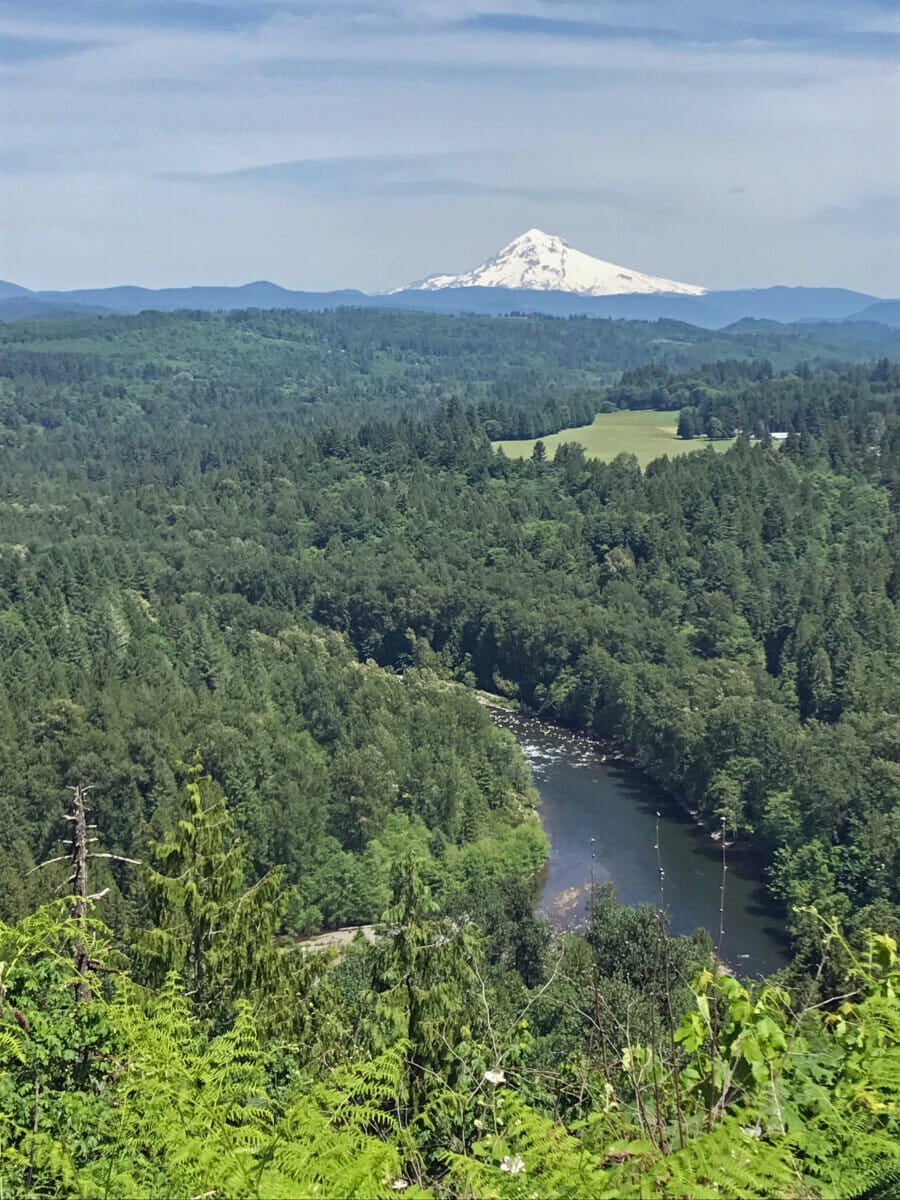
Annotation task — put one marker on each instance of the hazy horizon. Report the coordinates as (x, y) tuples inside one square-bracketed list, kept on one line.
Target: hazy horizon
[(206, 284), (354, 144)]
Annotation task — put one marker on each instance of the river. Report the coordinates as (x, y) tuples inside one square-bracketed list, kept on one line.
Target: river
[(584, 798)]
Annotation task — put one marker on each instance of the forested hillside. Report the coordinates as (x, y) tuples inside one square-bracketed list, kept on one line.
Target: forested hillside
[(266, 557), (155, 396)]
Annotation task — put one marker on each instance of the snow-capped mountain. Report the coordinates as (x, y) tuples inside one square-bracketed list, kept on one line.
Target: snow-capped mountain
[(544, 262)]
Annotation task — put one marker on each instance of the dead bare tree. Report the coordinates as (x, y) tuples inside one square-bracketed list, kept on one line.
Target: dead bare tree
[(79, 856)]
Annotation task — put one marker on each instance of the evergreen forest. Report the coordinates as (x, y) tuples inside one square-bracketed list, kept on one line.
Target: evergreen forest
[(268, 870)]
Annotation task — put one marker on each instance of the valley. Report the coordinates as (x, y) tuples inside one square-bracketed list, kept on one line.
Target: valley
[(258, 569)]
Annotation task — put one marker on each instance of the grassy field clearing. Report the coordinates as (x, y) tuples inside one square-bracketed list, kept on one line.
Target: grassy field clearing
[(647, 433)]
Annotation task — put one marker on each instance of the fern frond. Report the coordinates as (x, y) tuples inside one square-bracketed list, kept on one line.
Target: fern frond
[(730, 1160)]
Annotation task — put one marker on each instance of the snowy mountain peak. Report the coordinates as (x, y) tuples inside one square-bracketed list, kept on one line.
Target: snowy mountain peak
[(545, 262), (537, 237)]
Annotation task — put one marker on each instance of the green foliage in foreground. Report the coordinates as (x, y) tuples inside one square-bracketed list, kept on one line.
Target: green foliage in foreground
[(129, 1094), (253, 1068)]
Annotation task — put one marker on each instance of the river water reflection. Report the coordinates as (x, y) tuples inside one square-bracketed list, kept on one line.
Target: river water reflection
[(583, 797)]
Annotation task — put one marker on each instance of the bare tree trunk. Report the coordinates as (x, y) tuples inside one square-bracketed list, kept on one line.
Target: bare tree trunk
[(80, 891), (79, 880)]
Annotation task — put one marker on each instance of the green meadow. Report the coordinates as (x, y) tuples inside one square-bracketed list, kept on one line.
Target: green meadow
[(646, 433)]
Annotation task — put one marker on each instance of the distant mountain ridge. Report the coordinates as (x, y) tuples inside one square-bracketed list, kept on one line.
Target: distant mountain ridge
[(9, 290), (883, 312), (527, 259), (713, 310)]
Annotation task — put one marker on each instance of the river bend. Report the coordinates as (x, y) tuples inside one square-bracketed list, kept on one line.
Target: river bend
[(584, 797)]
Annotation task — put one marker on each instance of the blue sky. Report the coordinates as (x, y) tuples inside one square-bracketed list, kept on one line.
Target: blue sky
[(364, 143)]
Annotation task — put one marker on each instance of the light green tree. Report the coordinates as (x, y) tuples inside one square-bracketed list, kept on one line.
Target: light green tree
[(203, 921)]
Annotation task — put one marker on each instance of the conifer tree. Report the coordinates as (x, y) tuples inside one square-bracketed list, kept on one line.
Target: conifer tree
[(424, 974), (204, 923)]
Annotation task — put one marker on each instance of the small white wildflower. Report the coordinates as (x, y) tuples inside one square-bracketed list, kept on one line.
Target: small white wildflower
[(495, 1076), (513, 1164), (400, 1185)]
